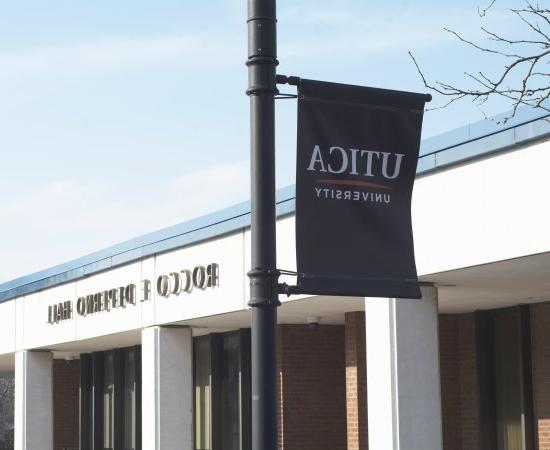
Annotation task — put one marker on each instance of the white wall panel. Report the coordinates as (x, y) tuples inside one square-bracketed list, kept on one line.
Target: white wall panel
[(19, 322), (228, 296), (484, 211), (148, 307), (487, 210), (113, 320), (7, 327), (37, 332)]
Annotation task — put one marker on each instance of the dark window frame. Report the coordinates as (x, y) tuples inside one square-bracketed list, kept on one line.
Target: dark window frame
[(486, 375), (215, 362), (92, 381)]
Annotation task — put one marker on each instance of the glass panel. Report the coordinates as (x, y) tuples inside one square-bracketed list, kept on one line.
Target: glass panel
[(508, 381), (230, 393), (108, 402), (90, 394), (129, 400), (202, 393)]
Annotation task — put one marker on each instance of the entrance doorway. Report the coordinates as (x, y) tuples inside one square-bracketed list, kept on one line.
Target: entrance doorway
[(110, 400), (222, 391)]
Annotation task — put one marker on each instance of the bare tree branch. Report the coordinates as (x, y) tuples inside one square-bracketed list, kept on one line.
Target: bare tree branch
[(523, 78), (497, 38), (534, 26), (478, 47), (482, 12)]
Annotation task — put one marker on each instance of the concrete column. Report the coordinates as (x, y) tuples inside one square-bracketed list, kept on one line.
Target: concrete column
[(404, 400), (33, 415), (167, 388)]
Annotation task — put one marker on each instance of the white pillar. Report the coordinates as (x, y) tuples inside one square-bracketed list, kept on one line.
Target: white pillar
[(404, 399), (167, 388), (33, 415)]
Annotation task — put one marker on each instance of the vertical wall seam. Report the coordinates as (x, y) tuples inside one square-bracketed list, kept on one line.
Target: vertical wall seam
[(154, 291), (74, 313), (23, 341), (394, 373), (24, 400), (15, 327)]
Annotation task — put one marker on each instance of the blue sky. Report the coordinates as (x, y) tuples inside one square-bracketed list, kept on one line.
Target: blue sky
[(119, 118)]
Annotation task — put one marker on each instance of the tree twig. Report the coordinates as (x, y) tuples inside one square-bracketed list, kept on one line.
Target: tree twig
[(523, 79)]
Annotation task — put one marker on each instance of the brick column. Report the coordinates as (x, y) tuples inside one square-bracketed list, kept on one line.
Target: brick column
[(356, 381), (469, 391), (450, 381), (312, 409), (459, 386)]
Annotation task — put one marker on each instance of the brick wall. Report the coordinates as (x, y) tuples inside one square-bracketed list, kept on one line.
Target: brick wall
[(356, 381), (459, 391), (469, 395), (66, 382), (540, 360), (312, 396)]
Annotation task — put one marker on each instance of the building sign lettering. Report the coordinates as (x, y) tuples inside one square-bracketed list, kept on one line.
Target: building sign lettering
[(175, 283)]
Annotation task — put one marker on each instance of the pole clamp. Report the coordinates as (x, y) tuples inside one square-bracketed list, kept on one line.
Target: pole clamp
[(258, 294)]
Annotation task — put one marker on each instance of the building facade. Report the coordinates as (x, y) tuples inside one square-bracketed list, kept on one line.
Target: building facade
[(146, 345)]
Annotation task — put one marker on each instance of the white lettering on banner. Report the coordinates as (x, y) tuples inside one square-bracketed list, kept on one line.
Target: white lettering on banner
[(369, 164), (339, 194), (175, 283), (344, 165), (370, 154), (316, 157), (385, 157)]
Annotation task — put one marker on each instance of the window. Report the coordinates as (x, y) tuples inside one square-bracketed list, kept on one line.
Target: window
[(132, 414), (202, 392), (230, 405), (110, 400), (504, 371), (222, 391)]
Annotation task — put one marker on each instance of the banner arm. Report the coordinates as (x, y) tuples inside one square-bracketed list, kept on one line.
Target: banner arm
[(283, 79), (288, 290)]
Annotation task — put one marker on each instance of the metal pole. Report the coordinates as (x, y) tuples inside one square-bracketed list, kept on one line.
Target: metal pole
[(262, 60)]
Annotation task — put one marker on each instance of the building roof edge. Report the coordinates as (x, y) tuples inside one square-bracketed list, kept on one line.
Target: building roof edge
[(475, 140)]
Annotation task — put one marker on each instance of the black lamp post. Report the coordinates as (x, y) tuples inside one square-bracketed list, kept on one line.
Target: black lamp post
[(262, 61)]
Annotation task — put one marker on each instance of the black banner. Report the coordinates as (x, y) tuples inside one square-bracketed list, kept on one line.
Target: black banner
[(356, 164)]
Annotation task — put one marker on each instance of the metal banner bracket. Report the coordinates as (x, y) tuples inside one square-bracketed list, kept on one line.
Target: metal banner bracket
[(257, 278)]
